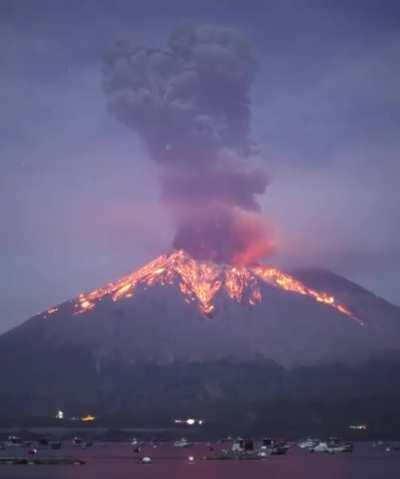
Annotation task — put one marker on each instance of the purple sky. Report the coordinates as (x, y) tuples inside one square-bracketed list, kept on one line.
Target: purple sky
[(79, 200)]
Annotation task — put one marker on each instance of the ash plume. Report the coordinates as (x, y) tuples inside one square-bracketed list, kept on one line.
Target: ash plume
[(190, 104)]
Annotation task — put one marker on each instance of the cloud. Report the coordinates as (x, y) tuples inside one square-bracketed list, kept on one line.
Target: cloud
[(190, 103)]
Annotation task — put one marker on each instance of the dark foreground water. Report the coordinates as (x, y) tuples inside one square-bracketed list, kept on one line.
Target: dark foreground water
[(118, 461)]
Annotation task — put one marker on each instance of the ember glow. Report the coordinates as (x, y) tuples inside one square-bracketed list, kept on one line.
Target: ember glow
[(200, 281)]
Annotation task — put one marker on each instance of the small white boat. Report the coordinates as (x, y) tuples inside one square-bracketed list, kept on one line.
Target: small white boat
[(332, 447), (320, 447), (308, 443), (182, 443)]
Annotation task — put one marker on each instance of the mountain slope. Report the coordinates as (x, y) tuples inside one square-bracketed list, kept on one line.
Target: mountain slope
[(158, 339), (175, 308)]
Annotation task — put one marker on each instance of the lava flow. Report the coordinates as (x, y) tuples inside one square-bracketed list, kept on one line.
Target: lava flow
[(200, 281)]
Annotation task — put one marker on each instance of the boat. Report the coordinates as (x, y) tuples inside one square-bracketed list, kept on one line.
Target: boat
[(76, 441), (245, 449), (308, 443), (14, 441), (182, 443), (279, 448), (267, 444), (333, 446), (243, 446), (320, 447)]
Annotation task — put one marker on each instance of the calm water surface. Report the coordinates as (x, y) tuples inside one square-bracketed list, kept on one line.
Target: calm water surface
[(117, 461)]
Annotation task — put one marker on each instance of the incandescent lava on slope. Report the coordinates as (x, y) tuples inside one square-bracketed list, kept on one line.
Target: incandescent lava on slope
[(200, 281)]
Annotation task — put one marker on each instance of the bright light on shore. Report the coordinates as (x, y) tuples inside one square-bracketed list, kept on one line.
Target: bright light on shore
[(189, 421), (60, 414), (88, 418), (358, 427)]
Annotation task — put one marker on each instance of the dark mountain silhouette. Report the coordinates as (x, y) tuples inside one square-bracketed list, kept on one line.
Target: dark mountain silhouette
[(154, 354)]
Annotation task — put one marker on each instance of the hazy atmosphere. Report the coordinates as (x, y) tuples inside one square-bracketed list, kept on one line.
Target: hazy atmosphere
[(86, 197)]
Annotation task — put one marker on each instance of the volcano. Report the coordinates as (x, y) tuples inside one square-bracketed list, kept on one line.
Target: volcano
[(177, 311), (177, 307)]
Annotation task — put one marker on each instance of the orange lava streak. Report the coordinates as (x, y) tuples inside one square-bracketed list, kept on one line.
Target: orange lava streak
[(238, 280), (122, 288), (200, 281), (276, 278)]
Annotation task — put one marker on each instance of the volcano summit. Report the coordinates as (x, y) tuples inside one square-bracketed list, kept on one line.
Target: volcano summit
[(201, 281)]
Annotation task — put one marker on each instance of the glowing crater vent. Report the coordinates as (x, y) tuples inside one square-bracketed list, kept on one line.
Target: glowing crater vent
[(200, 281)]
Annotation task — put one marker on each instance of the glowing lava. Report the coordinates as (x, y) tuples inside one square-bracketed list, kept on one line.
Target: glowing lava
[(200, 281)]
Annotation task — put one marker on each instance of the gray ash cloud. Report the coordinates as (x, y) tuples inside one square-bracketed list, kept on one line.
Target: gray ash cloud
[(190, 104)]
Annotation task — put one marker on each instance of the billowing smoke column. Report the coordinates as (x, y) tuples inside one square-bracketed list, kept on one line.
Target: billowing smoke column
[(190, 105)]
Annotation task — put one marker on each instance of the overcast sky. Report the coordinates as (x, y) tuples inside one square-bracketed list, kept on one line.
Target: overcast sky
[(79, 200)]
